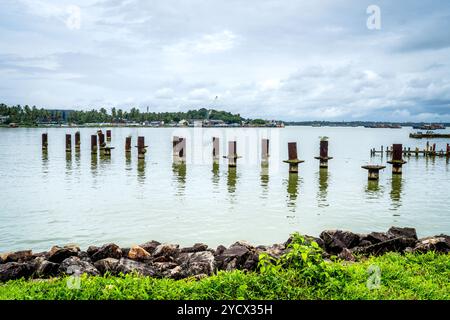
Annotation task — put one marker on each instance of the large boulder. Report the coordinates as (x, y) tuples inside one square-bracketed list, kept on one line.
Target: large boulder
[(129, 266), (107, 265), (193, 264), (138, 253), (44, 268), (109, 250), (18, 256), (198, 247), (15, 270), (150, 246), (233, 258), (396, 232), (375, 237), (336, 240), (440, 243), (58, 254), (91, 250), (75, 266), (168, 251), (392, 245)]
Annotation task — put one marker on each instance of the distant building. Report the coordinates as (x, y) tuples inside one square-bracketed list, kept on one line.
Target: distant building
[(60, 115), (3, 119), (198, 123), (214, 123), (183, 122)]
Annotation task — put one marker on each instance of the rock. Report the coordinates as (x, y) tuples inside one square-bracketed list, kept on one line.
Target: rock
[(375, 237), (166, 250), (196, 248), (233, 257), (346, 255), (75, 266), (276, 250), (308, 240), (129, 266), (84, 256), (194, 263), (394, 245), (138, 253), (242, 243), (395, 232), (336, 240), (44, 268), (125, 252), (251, 264), (109, 250), (15, 270), (150, 246), (365, 243), (92, 250), (58, 254), (106, 265), (18, 256), (220, 249), (440, 243)]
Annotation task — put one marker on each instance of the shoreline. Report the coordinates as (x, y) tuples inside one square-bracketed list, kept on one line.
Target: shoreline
[(159, 260)]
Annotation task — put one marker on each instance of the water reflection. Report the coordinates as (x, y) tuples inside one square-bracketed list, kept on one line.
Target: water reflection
[(179, 172), (141, 170), (128, 161), (396, 191), (292, 191), (68, 163), (373, 189), (215, 174), (323, 188), (94, 164), (265, 179), (45, 162), (231, 179)]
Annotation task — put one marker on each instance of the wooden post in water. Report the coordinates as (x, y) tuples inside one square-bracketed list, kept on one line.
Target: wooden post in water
[(397, 159), (108, 135), (293, 161), (324, 154), (77, 141), (142, 148), (128, 144), (232, 154), (448, 150), (265, 150), (44, 141), (216, 149), (373, 171), (68, 143), (93, 144)]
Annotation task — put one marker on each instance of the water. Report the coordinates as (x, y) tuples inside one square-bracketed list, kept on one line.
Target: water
[(59, 199)]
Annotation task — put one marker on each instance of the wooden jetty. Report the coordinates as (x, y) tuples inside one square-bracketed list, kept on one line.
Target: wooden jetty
[(429, 151), (428, 135)]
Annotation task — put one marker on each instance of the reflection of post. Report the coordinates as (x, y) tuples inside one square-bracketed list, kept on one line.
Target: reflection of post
[(396, 191), (215, 176), (179, 170), (323, 186), (372, 186), (292, 190), (265, 177), (141, 170), (231, 179), (94, 162), (293, 161)]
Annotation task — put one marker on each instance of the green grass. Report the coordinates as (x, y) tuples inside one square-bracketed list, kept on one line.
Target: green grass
[(410, 276)]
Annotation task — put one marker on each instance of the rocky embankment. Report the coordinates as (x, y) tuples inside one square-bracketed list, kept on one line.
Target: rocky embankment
[(169, 260)]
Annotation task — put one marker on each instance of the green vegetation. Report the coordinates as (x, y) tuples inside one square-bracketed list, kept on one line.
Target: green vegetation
[(299, 274), (32, 115)]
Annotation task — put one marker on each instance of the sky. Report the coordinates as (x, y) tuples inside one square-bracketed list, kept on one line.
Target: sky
[(330, 60)]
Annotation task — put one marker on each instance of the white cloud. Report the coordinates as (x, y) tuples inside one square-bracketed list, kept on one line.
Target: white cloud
[(207, 43)]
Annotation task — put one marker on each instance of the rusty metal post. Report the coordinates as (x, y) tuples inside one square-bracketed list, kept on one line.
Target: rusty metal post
[(128, 144), (324, 154), (101, 139), (68, 143), (44, 141), (216, 149), (108, 135), (142, 148), (448, 150), (232, 154), (397, 159), (77, 141), (94, 144), (175, 142), (182, 149), (293, 161)]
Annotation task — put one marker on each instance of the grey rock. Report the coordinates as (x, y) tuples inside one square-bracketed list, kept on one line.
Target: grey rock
[(336, 240), (18, 256), (196, 248), (150, 246), (166, 250), (109, 250), (194, 263), (396, 232), (220, 249), (44, 268), (440, 243), (346, 255), (58, 254), (107, 265), (75, 266), (233, 257), (129, 266), (92, 250), (375, 237), (392, 245)]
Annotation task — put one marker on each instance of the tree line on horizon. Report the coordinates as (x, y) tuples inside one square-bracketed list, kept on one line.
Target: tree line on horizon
[(33, 115)]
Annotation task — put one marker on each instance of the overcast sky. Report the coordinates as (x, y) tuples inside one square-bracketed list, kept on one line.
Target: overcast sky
[(290, 60)]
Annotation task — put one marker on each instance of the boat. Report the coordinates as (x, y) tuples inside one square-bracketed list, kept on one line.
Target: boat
[(428, 135)]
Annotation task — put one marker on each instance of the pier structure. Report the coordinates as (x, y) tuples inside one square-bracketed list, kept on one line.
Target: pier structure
[(108, 135), (44, 141), (94, 144), (373, 170), (428, 151), (293, 160), (323, 163), (141, 147), (397, 159), (68, 143), (232, 154)]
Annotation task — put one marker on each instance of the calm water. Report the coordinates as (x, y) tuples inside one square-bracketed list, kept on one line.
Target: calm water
[(58, 199)]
